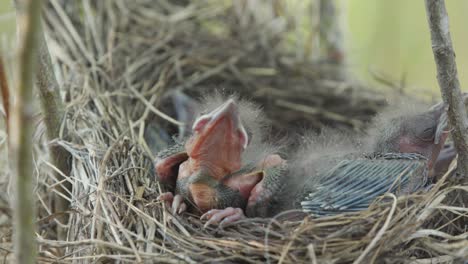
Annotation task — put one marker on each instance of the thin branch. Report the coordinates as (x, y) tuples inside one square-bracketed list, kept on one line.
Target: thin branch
[(29, 17), (444, 56), (5, 91), (53, 111)]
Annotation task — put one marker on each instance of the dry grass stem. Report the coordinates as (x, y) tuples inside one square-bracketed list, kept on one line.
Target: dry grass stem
[(120, 64)]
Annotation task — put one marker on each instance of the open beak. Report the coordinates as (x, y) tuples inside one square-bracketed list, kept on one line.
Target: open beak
[(441, 132), (223, 120), (219, 138)]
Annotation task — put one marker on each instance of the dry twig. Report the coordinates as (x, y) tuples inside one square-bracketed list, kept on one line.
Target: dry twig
[(5, 91), (53, 112), (447, 76), (28, 13)]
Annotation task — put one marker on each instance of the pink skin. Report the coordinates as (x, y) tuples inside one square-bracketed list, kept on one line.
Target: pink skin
[(230, 215), (175, 202), (222, 217), (215, 147), (446, 156), (164, 167), (429, 149), (227, 215)]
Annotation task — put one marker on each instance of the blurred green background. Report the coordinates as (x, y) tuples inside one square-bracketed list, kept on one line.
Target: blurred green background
[(393, 37), (389, 37), (7, 18)]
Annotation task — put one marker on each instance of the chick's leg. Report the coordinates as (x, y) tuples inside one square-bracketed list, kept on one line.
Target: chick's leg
[(223, 216), (175, 202)]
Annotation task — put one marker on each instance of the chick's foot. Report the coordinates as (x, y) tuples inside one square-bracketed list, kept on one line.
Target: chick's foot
[(175, 202), (222, 216)]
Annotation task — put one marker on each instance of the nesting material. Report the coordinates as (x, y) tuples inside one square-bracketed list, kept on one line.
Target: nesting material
[(119, 61)]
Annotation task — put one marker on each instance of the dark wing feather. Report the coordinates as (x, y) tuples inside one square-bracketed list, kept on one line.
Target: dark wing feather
[(354, 184)]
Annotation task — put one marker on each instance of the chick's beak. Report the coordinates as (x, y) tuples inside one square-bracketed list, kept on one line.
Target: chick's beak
[(441, 132), (219, 137)]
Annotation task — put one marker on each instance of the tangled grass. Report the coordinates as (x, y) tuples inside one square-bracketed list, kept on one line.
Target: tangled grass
[(119, 61)]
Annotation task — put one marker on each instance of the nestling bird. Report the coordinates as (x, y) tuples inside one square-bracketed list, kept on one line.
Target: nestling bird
[(447, 154), (406, 148), (224, 170)]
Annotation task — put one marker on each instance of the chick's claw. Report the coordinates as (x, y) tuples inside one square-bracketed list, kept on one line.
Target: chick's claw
[(178, 205), (175, 202), (222, 216)]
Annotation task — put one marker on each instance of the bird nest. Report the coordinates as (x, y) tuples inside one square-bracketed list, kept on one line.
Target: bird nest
[(117, 62)]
